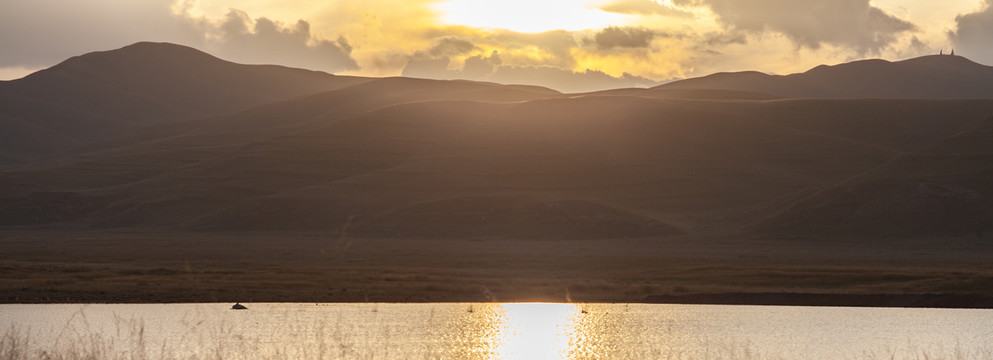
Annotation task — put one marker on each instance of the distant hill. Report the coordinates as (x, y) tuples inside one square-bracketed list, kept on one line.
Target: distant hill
[(550, 167), (215, 146), (928, 77), (105, 94)]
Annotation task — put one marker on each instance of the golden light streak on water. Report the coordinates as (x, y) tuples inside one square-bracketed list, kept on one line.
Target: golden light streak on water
[(537, 330)]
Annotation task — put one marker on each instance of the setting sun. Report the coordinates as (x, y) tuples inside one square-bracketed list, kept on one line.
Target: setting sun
[(527, 16)]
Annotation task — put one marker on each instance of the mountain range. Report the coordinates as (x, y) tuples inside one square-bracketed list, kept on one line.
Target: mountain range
[(160, 136)]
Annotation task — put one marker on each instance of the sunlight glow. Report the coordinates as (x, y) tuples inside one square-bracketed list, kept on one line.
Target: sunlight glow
[(537, 330), (527, 15), (16, 72)]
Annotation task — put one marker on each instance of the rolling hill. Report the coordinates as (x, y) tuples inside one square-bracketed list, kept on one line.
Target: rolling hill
[(854, 150), (928, 77), (102, 95), (941, 190)]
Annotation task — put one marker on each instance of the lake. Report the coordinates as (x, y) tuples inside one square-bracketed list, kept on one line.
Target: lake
[(491, 331)]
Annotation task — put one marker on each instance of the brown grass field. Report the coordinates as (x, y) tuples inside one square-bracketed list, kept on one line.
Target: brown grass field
[(54, 266)]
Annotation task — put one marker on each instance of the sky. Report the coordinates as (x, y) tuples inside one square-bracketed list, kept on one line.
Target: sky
[(569, 45)]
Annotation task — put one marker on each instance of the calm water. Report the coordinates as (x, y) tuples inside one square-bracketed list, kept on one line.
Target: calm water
[(496, 331)]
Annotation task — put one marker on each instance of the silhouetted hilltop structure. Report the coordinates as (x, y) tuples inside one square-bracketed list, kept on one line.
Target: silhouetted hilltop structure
[(927, 77)]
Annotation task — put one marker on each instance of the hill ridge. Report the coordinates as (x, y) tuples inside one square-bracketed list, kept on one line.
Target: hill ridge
[(931, 76), (105, 94)]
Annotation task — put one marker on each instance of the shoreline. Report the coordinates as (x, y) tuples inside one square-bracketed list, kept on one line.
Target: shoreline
[(922, 301), (148, 267), (940, 301)]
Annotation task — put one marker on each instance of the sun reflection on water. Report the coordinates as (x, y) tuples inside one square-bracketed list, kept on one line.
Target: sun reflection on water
[(537, 330), (515, 331)]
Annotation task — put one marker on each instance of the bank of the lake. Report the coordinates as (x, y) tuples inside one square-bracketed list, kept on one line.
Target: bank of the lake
[(54, 266), (951, 301)]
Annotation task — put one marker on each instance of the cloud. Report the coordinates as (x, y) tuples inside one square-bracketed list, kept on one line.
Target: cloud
[(565, 80), (623, 37), (374, 37), (551, 48), (644, 7), (722, 39), (429, 68), (658, 39), (916, 47), (242, 39), (49, 31), (41, 33), (480, 67), (433, 62), (973, 34), (451, 46), (492, 68), (811, 23)]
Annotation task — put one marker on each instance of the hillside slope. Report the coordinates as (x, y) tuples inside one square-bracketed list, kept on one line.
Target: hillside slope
[(388, 166), (104, 94), (248, 148), (944, 189)]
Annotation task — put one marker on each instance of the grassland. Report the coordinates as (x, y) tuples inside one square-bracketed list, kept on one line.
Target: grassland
[(135, 267)]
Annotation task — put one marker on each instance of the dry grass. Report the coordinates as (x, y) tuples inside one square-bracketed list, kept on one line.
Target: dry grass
[(127, 267), (331, 342), (129, 340)]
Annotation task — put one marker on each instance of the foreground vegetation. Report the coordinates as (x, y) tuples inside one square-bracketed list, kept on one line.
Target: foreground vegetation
[(17, 344), (481, 331)]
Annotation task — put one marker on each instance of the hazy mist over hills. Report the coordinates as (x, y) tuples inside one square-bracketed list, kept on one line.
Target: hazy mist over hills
[(159, 136)]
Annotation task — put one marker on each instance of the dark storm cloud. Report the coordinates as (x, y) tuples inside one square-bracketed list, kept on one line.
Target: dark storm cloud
[(973, 35), (811, 23)]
